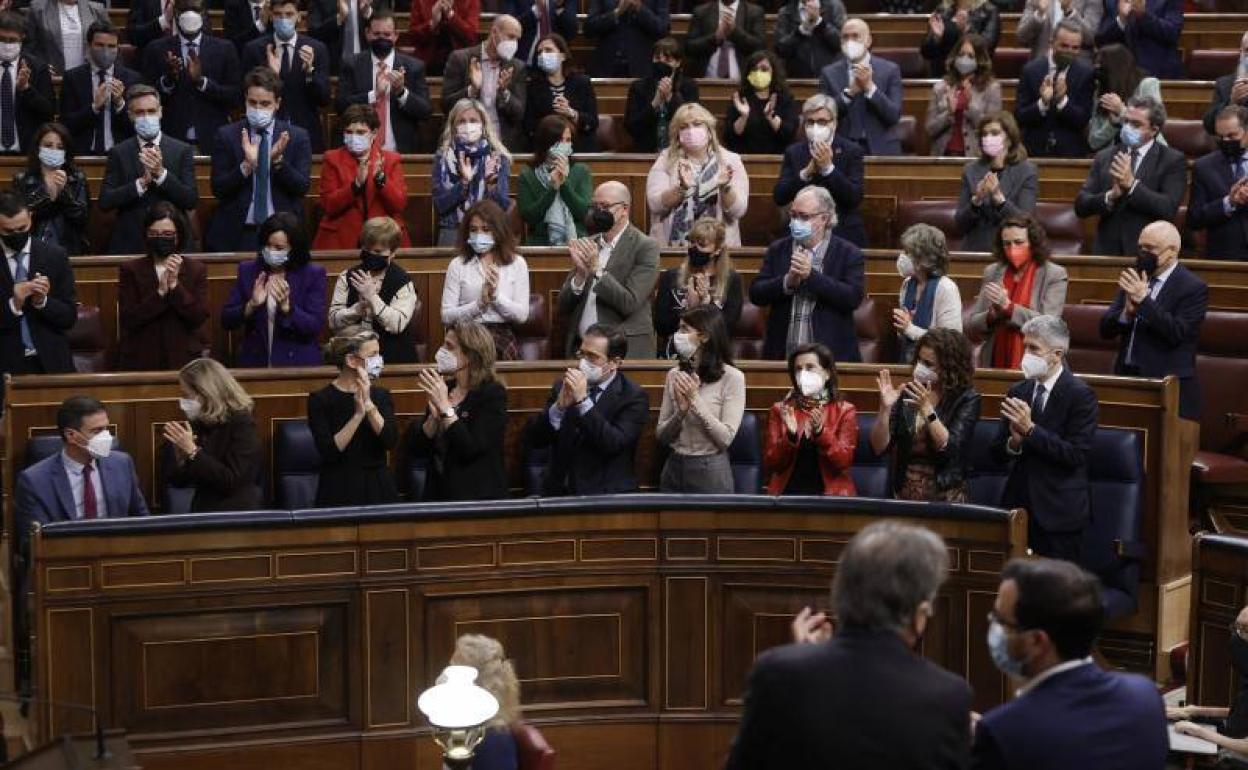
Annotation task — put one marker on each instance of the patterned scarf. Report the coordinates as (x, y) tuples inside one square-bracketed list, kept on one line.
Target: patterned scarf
[(449, 176), (701, 200)]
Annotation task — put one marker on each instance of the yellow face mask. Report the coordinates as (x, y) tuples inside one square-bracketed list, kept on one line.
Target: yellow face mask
[(760, 79)]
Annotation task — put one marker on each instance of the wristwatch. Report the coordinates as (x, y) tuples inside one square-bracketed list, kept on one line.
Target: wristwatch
[(449, 413), (933, 417)]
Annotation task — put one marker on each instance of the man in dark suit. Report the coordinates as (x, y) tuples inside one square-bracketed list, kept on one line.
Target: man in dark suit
[(198, 77), (539, 18), (1230, 90), (1219, 196), (144, 169), (393, 82), (826, 160), (262, 166), (1156, 315), (592, 421), (812, 280), (339, 24), (1054, 101), (867, 90), (491, 73), (625, 32), (808, 36), (722, 35), (1133, 183), (245, 20), (863, 699), (1151, 29), (27, 86), (93, 96), (1069, 713), (1047, 424), (40, 306), (302, 62)]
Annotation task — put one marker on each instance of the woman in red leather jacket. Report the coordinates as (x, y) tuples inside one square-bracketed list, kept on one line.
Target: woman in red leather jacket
[(812, 433)]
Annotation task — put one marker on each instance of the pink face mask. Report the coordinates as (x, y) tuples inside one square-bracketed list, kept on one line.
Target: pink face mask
[(993, 145), (694, 137)]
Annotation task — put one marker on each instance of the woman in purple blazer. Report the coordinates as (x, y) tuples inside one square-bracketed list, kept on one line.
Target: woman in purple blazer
[(278, 299)]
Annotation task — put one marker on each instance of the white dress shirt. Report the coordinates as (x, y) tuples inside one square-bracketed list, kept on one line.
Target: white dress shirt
[(1060, 668), (164, 172), (556, 412), (109, 109), (589, 316), (372, 96), (461, 293), (73, 469), (72, 35)]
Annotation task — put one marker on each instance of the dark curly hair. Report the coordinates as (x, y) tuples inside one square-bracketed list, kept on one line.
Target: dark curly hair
[(1035, 236), (954, 360)]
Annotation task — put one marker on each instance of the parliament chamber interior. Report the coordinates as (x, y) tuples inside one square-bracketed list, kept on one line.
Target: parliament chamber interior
[(637, 620)]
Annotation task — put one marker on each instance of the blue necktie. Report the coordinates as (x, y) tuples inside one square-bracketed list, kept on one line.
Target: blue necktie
[(260, 211), (28, 342)]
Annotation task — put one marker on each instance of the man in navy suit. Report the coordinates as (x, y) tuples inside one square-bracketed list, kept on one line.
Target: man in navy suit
[(1047, 424), (826, 160), (198, 77), (1219, 195), (37, 297), (624, 33), (302, 62), (33, 101), (1151, 29), (812, 280), (1054, 101), (381, 77), (557, 16), (262, 166), (1156, 316), (1230, 89), (1069, 713), (93, 96), (867, 91), (592, 421)]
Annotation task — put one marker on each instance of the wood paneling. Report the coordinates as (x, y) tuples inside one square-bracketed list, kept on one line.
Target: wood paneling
[(1219, 592)]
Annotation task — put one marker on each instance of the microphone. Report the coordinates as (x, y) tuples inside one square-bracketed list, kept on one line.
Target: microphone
[(101, 750)]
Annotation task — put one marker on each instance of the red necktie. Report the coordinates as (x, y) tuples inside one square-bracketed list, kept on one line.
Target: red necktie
[(383, 107), (89, 510)]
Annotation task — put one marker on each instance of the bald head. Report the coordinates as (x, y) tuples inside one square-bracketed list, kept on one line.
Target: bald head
[(856, 30), (615, 192), (615, 199), (1161, 238), (504, 30)]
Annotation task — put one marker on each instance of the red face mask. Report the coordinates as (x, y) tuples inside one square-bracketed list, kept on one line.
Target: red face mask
[(1018, 254)]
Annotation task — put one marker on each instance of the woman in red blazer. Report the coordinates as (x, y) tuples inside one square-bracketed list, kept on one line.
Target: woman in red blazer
[(358, 182), (812, 433), (162, 298), (455, 28)]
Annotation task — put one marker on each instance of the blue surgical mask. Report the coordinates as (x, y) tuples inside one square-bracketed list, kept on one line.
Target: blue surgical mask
[(561, 148), (259, 119), (284, 29), (548, 62), (999, 648), (373, 366), (480, 242), (147, 126), (1131, 136), (801, 229), (357, 144), (274, 257), (51, 157)]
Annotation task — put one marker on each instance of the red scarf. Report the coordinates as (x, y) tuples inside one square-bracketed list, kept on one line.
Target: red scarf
[(1007, 348)]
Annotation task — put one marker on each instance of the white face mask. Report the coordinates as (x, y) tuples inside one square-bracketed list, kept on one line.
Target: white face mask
[(446, 361), (507, 49), (373, 366), (190, 22), (468, 132), (925, 375), (10, 51), (810, 383), (818, 133), (685, 344), (190, 407), (100, 445), (853, 50), (905, 265), (1034, 367), (593, 374)]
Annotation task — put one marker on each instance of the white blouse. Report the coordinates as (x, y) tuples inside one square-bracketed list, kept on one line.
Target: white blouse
[(461, 293)]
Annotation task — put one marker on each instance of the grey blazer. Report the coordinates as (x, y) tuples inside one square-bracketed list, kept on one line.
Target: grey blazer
[(1036, 31), (940, 118), (979, 223), (43, 29), (623, 293), (1048, 296), (510, 109)]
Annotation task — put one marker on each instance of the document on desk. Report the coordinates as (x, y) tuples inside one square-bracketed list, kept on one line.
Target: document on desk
[(1190, 744)]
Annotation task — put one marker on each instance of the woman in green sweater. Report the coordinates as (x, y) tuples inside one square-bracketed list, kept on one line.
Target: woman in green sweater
[(554, 192)]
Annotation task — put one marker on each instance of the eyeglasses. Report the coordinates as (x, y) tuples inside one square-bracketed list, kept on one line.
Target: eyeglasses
[(993, 617), (605, 206), (802, 217)]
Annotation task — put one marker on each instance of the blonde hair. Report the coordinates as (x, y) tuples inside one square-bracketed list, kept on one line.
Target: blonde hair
[(347, 342), (494, 673), (487, 127), (478, 345), (218, 391), (382, 231), (715, 231), (689, 112)]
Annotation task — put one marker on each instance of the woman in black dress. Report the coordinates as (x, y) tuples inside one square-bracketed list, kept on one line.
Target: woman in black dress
[(352, 422), (461, 436)]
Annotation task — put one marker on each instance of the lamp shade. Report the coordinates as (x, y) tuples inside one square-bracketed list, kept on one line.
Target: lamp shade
[(457, 703)]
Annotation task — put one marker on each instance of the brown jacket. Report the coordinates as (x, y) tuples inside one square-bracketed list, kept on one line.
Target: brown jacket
[(161, 333)]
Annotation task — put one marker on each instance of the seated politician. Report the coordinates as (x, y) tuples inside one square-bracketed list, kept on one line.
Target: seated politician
[(928, 424), (1226, 727), (592, 421), (461, 435), (1046, 428), (217, 451), (812, 432)]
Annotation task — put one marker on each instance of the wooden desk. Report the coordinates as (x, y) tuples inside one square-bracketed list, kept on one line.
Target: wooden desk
[(1219, 591)]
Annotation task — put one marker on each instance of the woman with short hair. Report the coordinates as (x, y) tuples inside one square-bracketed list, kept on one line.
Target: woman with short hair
[(929, 298), (359, 181), (378, 293)]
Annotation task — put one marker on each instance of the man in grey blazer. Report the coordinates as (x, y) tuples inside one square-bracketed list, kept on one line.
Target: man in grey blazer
[(867, 90), (491, 73), (613, 275), (1040, 18), (1133, 183), (49, 22)]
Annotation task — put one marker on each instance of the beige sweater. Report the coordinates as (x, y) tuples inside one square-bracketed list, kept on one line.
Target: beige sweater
[(710, 423)]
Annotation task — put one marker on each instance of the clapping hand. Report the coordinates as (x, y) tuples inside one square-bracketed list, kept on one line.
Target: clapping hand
[(820, 157), (936, 24), (1134, 285), (1121, 172), (179, 434), (563, 108), (789, 416), (435, 390), (251, 150), (1111, 103), (862, 77), (281, 292), (272, 58), (39, 287), (815, 426), (505, 73), (1059, 87), (918, 396), (23, 75), (996, 295), (685, 388), (684, 174), (173, 267), (769, 110), (491, 170), (741, 104), (260, 290), (727, 20), (195, 69), (467, 169), (799, 267), (1239, 192), (811, 627), (565, 399), (1018, 413), (888, 392), (559, 173), (901, 319), (363, 392), (1046, 89), (575, 381), (307, 59), (1239, 91), (398, 81), (663, 93), (278, 148), (173, 65), (584, 255), (101, 96), (55, 181), (474, 74), (724, 179), (364, 284)]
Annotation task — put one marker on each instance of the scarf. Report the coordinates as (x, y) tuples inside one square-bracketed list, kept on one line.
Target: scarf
[(449, 176), (920, 308), (1007, 348), (560, 224), (701, 200)]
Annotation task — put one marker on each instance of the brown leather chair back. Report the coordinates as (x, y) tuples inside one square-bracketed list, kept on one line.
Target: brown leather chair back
[(1008, 62), (1222, 369), (911, 62), (87, 343), (908, 133), (1211, 64), (877, 342), (1064, 228), (533, 336), (532, 750), (1089, 353), (747, 333), (1188, 137), (611, 135), (937, 213)]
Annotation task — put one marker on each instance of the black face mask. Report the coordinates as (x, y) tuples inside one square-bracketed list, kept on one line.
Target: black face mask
[(598, 221), (1062, 59), (15, 241), (1239, 656), (1146, 262), (372, 261), (162, 245), (662, 70), (699, 258), (381, 48), (1231, 148)]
